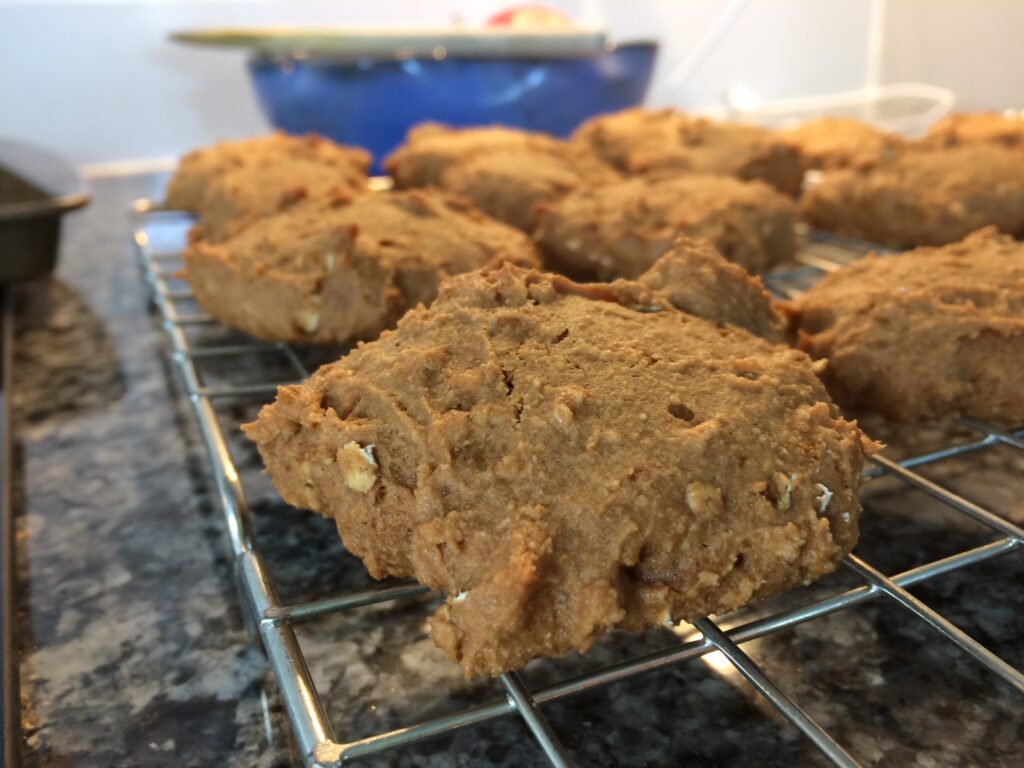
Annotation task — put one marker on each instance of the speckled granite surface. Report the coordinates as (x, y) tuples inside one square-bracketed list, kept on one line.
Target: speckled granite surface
[(134, 652)]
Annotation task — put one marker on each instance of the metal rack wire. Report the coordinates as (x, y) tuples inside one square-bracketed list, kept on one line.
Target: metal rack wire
[(194, 343)]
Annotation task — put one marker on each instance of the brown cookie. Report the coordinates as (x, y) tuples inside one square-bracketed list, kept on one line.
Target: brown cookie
[(344, 271), (694, 278), (430, 149), (559, 462), (923, 196), (928, 333), (619, 229), (231, 183), (840, 142), (510, 184), (670, 142), (1005, 128)]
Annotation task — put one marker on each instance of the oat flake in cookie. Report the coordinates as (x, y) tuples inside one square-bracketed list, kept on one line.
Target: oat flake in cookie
[(560, 461), (347, 269), (925, 334)]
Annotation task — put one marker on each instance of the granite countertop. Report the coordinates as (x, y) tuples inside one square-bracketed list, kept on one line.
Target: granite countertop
[(134, 650)]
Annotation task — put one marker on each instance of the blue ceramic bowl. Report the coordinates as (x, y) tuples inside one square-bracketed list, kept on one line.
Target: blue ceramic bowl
[(373, 102)]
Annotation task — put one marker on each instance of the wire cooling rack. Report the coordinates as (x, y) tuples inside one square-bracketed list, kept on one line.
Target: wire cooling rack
[(197, 343)]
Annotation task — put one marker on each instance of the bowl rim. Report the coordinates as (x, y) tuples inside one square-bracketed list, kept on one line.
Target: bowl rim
[(286, 58)]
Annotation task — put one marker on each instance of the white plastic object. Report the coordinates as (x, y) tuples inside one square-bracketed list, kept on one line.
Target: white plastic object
[(905, 108)]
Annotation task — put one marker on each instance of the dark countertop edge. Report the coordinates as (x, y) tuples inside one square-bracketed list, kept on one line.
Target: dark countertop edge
[(8, 577)]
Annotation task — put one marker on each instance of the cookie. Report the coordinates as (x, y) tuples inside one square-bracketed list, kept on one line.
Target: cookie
[(934, 332), (430, 149), (619, 229), (693, 277), (337, 272), (1005, 128), (229, 184), (511, 184), (840, 142), (923, 196), (670, 142), (559, 462)]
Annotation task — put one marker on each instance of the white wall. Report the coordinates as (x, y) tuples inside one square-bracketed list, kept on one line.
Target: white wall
[(777, 48), (99, 82), (974, 48)]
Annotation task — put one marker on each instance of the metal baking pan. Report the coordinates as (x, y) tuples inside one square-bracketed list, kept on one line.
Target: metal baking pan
[(36, 189)]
